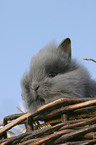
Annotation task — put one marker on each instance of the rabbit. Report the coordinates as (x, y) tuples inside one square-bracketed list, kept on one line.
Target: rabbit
[(53, 75)]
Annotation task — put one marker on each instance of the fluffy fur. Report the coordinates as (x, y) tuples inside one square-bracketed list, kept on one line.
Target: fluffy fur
[(54, 75)]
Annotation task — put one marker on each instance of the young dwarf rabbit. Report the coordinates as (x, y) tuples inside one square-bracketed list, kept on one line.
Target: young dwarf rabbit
[(54, 75)]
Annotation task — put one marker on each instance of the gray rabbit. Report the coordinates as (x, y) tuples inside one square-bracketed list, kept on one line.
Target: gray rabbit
[(54, 75)]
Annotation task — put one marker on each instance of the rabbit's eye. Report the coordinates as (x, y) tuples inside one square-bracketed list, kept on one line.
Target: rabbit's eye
[(52, 74)]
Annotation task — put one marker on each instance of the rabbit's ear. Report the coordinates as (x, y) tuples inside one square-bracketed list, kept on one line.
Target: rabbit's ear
[(65, 47)]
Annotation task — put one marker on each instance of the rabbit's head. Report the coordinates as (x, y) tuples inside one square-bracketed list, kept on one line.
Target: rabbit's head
[(51, 76)]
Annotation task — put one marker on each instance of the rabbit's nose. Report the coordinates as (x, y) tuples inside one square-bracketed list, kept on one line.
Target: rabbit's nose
[(35, 86)]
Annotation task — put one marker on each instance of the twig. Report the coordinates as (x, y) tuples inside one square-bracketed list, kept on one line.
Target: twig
[(89, 59), (85, 142), (63, 110), (14, 122), (76, 134), (32, 134), (63, 101), (82, 123)]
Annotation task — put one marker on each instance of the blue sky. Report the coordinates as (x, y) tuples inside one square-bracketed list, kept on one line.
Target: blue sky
[(27, 26)]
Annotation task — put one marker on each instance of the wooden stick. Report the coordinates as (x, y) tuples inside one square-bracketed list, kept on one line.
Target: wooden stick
[(30, 141), (85, 142), (65, 109), (14, 122), (89, 135), (49, 137), (12, 117), (82, 123), (63, 101), (32, 134), (93, 141), (76, 134), (81, 105), (88, 109)]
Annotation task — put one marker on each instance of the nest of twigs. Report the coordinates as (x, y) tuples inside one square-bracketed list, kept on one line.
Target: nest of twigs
[(67, 121)]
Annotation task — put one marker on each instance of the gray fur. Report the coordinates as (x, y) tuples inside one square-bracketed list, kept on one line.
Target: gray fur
[(54, 75)]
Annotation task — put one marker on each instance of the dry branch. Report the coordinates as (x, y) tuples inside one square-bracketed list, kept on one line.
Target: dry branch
[(76, 134), (63, 110), (89, 59), (15, 122)]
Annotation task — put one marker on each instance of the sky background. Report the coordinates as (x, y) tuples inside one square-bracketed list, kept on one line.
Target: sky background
[(26, 26)]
